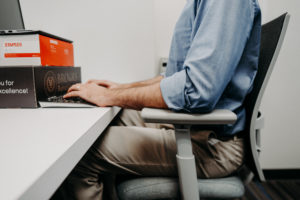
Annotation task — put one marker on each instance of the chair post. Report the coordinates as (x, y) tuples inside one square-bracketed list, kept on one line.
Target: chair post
[(186, 163)]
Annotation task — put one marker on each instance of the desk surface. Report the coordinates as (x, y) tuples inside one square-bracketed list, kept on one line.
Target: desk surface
[(39, 147)]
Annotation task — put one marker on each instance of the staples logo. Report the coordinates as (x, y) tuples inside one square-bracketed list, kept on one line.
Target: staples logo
[(13, 44), (53, 42)]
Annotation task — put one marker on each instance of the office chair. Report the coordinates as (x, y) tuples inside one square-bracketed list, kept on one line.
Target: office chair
[(191, 188)]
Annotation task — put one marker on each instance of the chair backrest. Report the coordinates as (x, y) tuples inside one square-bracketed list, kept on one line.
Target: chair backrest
[(272, 36)]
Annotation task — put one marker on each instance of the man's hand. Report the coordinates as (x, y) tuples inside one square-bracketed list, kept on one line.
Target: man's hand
[(91, 92), (105, 83), (107, 93)]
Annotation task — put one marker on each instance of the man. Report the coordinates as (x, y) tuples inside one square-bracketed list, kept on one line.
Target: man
[(212, 64)]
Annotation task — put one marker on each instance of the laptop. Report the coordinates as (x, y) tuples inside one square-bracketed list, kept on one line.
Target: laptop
[(11, 19)]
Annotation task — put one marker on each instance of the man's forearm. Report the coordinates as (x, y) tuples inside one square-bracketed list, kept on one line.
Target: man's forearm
[(139, 97), (141, 83)]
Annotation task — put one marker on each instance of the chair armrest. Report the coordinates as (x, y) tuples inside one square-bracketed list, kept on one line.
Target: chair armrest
[(216, 117)]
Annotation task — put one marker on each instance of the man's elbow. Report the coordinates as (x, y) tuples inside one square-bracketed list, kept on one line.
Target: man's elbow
[(202, 105)]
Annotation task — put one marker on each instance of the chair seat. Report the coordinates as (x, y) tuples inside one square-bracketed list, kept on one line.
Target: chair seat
[(168, 188)]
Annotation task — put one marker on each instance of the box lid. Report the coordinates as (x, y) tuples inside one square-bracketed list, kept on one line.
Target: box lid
[(28, 32)]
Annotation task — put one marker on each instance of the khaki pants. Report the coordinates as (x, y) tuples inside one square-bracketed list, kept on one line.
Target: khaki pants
[(131, 146)]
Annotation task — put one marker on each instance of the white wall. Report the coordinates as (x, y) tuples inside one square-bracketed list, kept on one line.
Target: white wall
[(166, 13), (280, 105), (112, 39)]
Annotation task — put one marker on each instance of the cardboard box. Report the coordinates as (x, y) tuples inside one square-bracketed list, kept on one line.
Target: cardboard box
[(23, 87), (36, 48)]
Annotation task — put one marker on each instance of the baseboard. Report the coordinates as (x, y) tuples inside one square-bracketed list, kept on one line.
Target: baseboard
[(282, 173)]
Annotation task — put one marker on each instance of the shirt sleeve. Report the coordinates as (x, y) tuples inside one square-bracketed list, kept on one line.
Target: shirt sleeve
[(220, 32)]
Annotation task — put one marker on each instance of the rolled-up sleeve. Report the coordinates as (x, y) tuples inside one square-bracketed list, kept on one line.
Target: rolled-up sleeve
[(172, 89), (218, 37)]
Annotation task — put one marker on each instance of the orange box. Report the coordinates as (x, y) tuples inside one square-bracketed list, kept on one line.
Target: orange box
[(35, 48)]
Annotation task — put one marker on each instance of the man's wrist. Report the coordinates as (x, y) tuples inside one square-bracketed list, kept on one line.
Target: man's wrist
[(113, 98)]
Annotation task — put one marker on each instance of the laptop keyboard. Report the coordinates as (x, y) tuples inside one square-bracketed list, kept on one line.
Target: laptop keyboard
[(60, 99)]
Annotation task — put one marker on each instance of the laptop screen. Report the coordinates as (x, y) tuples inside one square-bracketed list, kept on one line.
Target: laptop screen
[(11, 15)]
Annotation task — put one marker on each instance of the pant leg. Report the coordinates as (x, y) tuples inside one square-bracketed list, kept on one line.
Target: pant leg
[(214, 158), (130, 146)]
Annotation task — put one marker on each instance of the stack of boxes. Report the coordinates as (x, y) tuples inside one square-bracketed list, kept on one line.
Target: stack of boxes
[(34, 66)]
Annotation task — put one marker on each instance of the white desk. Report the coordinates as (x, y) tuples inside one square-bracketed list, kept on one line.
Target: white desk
[(40, 147)]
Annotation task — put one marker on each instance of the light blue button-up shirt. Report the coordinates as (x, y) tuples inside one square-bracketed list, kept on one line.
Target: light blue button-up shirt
[(213, 58)]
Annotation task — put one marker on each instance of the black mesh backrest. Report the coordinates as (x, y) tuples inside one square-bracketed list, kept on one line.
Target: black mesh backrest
[(270, 36)]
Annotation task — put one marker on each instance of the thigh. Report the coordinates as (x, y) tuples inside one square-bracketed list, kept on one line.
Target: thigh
[(137, 150), (152, 152), (132, 146)]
